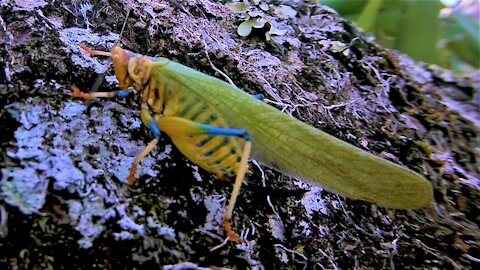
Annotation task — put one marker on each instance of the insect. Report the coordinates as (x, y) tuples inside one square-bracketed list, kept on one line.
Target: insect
[(217, 126)]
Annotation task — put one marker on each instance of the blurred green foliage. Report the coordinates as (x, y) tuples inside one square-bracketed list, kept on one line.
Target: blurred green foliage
[(426, 30)]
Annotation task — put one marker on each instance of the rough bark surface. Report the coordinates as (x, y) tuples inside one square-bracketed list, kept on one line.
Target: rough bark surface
[(64, 200)]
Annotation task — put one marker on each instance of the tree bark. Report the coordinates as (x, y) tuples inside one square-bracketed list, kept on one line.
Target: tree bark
[(65, 202)]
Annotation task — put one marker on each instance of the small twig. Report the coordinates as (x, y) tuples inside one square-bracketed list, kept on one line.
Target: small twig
[(470, 257), (183, 265), (71, 12), (273, 208), (215, 68), (3, 222), (2, 23), (280, 104), (269, 201), (221, 245), (261, 171), (438, 254), (254, 230), (350, 219), (49, 23), (392, 251), (329, 259), (342, 104), (210, 234), (269, 89), (84, 8), (293, 252)]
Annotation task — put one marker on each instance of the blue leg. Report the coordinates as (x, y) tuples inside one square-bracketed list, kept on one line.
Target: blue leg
[(123, 93), (148, 121), (258, 96), (210, 130), (177, 126)]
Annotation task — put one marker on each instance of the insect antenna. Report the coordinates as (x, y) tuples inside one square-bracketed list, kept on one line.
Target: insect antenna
[(100, 77), (123, 27)]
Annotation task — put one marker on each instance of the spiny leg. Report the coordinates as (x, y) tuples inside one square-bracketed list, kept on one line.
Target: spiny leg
[(176, 126), (242, 170)]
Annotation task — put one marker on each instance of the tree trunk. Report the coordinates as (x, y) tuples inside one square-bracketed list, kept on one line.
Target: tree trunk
[(64, 161)]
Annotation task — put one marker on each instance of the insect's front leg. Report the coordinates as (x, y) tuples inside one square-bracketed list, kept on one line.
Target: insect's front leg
[(176, 126), (88, 96), (146, 119)]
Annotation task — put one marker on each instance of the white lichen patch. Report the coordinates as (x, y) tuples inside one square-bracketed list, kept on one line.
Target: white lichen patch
[(127, 223), (215, 205), (306, 228), (123, 236), (276, 227), (29, 5), (133, 123), (162, 230), (52, 146), (88, 217), (73, 37), (313, 202), (72, 110), (195, 173), (66, 175), (24, 189)]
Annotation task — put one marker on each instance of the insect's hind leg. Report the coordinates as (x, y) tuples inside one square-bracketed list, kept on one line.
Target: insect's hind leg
[(176, 126), (242, 170)]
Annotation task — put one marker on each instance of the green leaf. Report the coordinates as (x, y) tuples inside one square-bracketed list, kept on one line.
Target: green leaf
[(245, 28), (419, 27), (369, 15), (345, 7), (468, 24)]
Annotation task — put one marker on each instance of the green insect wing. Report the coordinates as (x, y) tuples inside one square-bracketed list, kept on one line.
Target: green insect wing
[(299, 150)]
